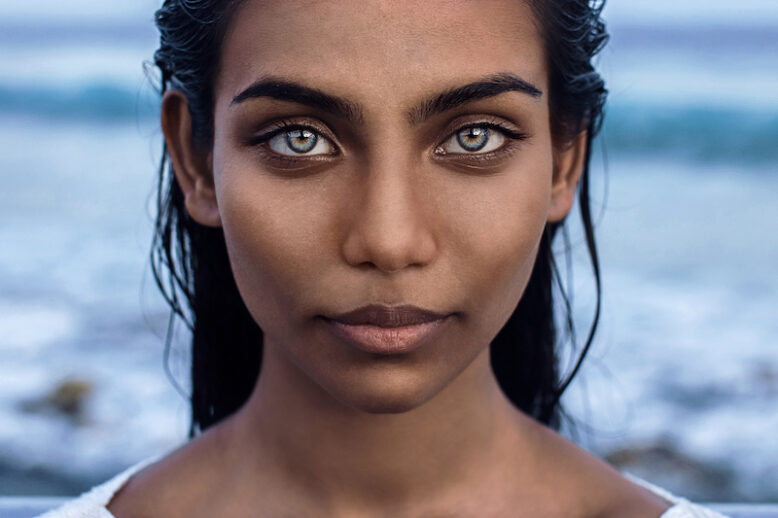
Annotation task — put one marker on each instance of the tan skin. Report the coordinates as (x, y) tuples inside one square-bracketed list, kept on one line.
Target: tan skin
[(385, 209)]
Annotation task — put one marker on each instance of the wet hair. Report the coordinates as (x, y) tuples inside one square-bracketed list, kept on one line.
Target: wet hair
[(190, 263)]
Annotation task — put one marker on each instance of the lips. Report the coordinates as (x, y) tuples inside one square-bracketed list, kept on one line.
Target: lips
[(388, 316), (387, 329)]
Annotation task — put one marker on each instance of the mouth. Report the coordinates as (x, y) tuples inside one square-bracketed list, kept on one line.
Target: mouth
[(387, 329)]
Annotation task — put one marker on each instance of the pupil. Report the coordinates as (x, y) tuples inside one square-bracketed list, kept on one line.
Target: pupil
[(473, 139), (301, 141)]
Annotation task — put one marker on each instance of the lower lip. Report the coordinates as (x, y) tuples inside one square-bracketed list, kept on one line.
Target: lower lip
[(388, 340)]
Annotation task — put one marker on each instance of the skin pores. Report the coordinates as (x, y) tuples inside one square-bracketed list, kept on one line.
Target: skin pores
[(378, 215)]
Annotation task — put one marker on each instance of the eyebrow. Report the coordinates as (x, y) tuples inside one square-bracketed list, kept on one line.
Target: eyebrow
[(289, 91), (491, 86)]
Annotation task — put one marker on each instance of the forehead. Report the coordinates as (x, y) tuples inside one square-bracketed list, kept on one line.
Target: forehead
[(379, 50)]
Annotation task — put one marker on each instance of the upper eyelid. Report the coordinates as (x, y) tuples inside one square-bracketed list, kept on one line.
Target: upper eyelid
[(498, 122), (284, 126), (488, 124)]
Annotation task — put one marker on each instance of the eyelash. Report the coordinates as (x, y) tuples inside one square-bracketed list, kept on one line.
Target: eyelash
[(512, 137)]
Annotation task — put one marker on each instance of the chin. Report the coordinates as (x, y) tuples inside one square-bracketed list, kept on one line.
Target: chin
[(388, 405), (389, 394)]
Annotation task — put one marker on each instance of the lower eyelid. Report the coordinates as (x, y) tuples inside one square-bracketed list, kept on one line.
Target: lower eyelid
[(507, 150), (288, 162)]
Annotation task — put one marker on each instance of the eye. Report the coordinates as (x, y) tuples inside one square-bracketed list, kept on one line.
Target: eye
[(477, 139), (297, 140)]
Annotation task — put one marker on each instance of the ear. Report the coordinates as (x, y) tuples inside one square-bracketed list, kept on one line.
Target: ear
[(191, 165), (568, 167)]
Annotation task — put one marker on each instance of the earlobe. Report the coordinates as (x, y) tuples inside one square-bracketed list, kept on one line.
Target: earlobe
[(568, 167), (192, 166)]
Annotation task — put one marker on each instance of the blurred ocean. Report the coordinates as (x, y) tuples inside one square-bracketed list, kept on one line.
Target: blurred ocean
[(681, 386)]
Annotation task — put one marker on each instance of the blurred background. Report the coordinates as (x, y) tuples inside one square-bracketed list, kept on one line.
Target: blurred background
[(681, 385)]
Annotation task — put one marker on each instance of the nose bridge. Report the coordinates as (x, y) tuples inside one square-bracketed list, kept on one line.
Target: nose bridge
[(389, 228)]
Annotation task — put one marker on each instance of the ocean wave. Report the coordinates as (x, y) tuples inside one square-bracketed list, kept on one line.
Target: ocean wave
[(697, 131), (701, 132), (98, 102)]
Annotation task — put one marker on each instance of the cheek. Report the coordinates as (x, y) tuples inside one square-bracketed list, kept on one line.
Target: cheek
[(498, 229), (275, 233)]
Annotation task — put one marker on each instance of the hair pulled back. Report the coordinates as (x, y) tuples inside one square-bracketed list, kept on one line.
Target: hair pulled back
[(190, 263)]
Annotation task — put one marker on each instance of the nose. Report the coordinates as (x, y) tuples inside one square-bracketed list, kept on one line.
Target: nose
[(390, 229)]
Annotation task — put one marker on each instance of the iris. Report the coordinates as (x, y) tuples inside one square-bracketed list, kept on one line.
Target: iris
[(473, 138), (301, 141)]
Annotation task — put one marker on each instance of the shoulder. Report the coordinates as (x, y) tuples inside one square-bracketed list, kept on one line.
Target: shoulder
[(140, 490), (595, 489), (591, 486), (157, 489), (166, 487)]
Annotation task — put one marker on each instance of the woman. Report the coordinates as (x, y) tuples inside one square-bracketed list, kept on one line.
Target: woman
[(362, 202)]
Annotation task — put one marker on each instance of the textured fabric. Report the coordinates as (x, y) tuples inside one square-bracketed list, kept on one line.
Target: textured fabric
[(92, 503), (682, 508)]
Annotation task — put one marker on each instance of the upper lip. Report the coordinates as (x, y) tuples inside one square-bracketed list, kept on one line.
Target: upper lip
[(387, 316)]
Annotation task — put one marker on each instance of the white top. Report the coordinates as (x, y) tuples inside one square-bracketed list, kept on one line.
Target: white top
[(91, 504)]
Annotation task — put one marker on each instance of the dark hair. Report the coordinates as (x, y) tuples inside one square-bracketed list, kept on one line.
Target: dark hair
[(190, 263)]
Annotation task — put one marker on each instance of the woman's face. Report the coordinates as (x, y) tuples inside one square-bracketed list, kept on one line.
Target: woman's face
[(344, 176)]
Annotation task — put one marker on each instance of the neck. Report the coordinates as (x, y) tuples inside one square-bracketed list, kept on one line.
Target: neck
[(351, 458)]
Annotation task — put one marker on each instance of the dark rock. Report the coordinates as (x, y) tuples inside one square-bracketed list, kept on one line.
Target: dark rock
[(68, 398)]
